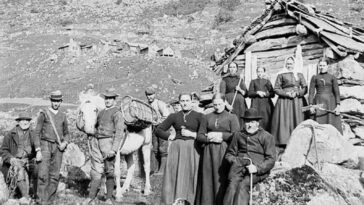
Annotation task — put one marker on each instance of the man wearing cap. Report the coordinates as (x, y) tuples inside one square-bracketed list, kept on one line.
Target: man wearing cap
[(252, 143), (105, 144), (16, 151), (160, 146), (51, 135)]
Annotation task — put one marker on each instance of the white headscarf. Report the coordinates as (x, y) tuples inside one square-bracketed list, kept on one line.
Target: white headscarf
[(285, 70)]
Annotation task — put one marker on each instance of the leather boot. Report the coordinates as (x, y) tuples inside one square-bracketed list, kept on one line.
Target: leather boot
[(110, 183), (162, 168)]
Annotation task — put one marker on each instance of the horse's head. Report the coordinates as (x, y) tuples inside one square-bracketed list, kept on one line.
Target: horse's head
[(87, 114)]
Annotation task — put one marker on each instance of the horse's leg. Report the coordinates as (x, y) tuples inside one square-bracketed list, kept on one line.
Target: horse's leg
[(129, 176), (117, 173), (146, 156)]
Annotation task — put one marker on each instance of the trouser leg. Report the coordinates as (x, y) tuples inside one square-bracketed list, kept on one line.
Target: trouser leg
[(54, 171), (43, 172)]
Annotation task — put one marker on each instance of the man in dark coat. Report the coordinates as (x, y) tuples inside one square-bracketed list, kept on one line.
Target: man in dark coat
[(256, 144), (16, 151), (51, 135)]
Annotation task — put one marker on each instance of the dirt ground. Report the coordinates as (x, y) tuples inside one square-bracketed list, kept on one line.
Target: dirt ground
[(66, 44)]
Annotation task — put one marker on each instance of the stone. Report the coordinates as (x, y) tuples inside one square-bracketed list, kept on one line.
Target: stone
[(351, 105), (354, 92), (72, 156), (4, 192), (347, 132), (331, 146), (350, 68), (345, 182), (359, 131)]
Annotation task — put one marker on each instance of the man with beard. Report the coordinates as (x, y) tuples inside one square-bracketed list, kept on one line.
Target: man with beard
[(252, 143), (17, 150), (51, 135)]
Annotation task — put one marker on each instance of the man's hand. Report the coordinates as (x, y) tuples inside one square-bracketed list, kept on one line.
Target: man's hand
[(252, 169), (38, 156), (63, 146), (110, 154)]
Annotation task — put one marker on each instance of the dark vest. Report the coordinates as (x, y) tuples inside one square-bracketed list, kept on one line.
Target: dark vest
[(105, 123)]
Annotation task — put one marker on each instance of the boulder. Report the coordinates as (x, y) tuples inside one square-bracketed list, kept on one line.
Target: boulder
[(4, 192), (353, 92), (345, 182), (72, 156), (299, 186), (359, 131), (347, 132), (351, 105), (350, 69), (331, 146)]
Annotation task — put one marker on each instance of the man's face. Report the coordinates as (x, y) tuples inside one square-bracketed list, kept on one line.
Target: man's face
[(24, 124), (251, 126), (109, 102), (55, 104), (150, 98), (186, 102)]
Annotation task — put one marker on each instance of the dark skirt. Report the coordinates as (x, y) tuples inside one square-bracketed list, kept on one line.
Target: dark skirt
[(180, 178), (213, 175), (239, 106), (286, 116), (265, 109), (323, 117)]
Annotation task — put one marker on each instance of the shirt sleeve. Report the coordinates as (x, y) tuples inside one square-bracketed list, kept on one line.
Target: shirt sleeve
[(303, 86), (252, 93), (119, 130), (311, 92), (268, 144), (5, 150), (234, 127), (335, 88), (278, 87), (232, 150), (38, 129), (162, 129)]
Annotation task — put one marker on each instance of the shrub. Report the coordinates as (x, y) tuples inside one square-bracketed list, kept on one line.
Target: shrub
[(184, 7), (229, 4), (222, 17)]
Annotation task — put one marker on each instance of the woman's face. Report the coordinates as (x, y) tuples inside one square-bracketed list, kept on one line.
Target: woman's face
[(233, 69), (186, 102), (219, 105), (260, 72), (322, 67), (290, 64)]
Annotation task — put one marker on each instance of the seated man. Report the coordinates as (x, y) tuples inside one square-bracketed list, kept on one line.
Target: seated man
[(252, 143), (16, 151)]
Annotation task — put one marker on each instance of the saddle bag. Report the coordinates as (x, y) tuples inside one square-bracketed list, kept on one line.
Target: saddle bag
[(137, 113)]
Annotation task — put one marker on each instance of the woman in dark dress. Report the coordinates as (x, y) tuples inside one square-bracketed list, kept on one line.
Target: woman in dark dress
[(325, 90), (261, 91), (229, 86), (180, 178), (215, 134), (290, 86)]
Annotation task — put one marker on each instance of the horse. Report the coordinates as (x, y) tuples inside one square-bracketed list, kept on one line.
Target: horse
[(134, 139)]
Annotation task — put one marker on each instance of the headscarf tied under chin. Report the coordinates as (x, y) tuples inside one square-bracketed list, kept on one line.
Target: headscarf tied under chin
[(294, 71)]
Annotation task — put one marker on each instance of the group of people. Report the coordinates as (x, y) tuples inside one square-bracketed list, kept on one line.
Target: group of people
[(212, 158)]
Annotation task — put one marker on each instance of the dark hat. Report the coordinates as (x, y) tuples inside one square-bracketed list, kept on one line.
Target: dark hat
[(56, 95), (110, 93), (150, 91), (24, 116), (251, 114)]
